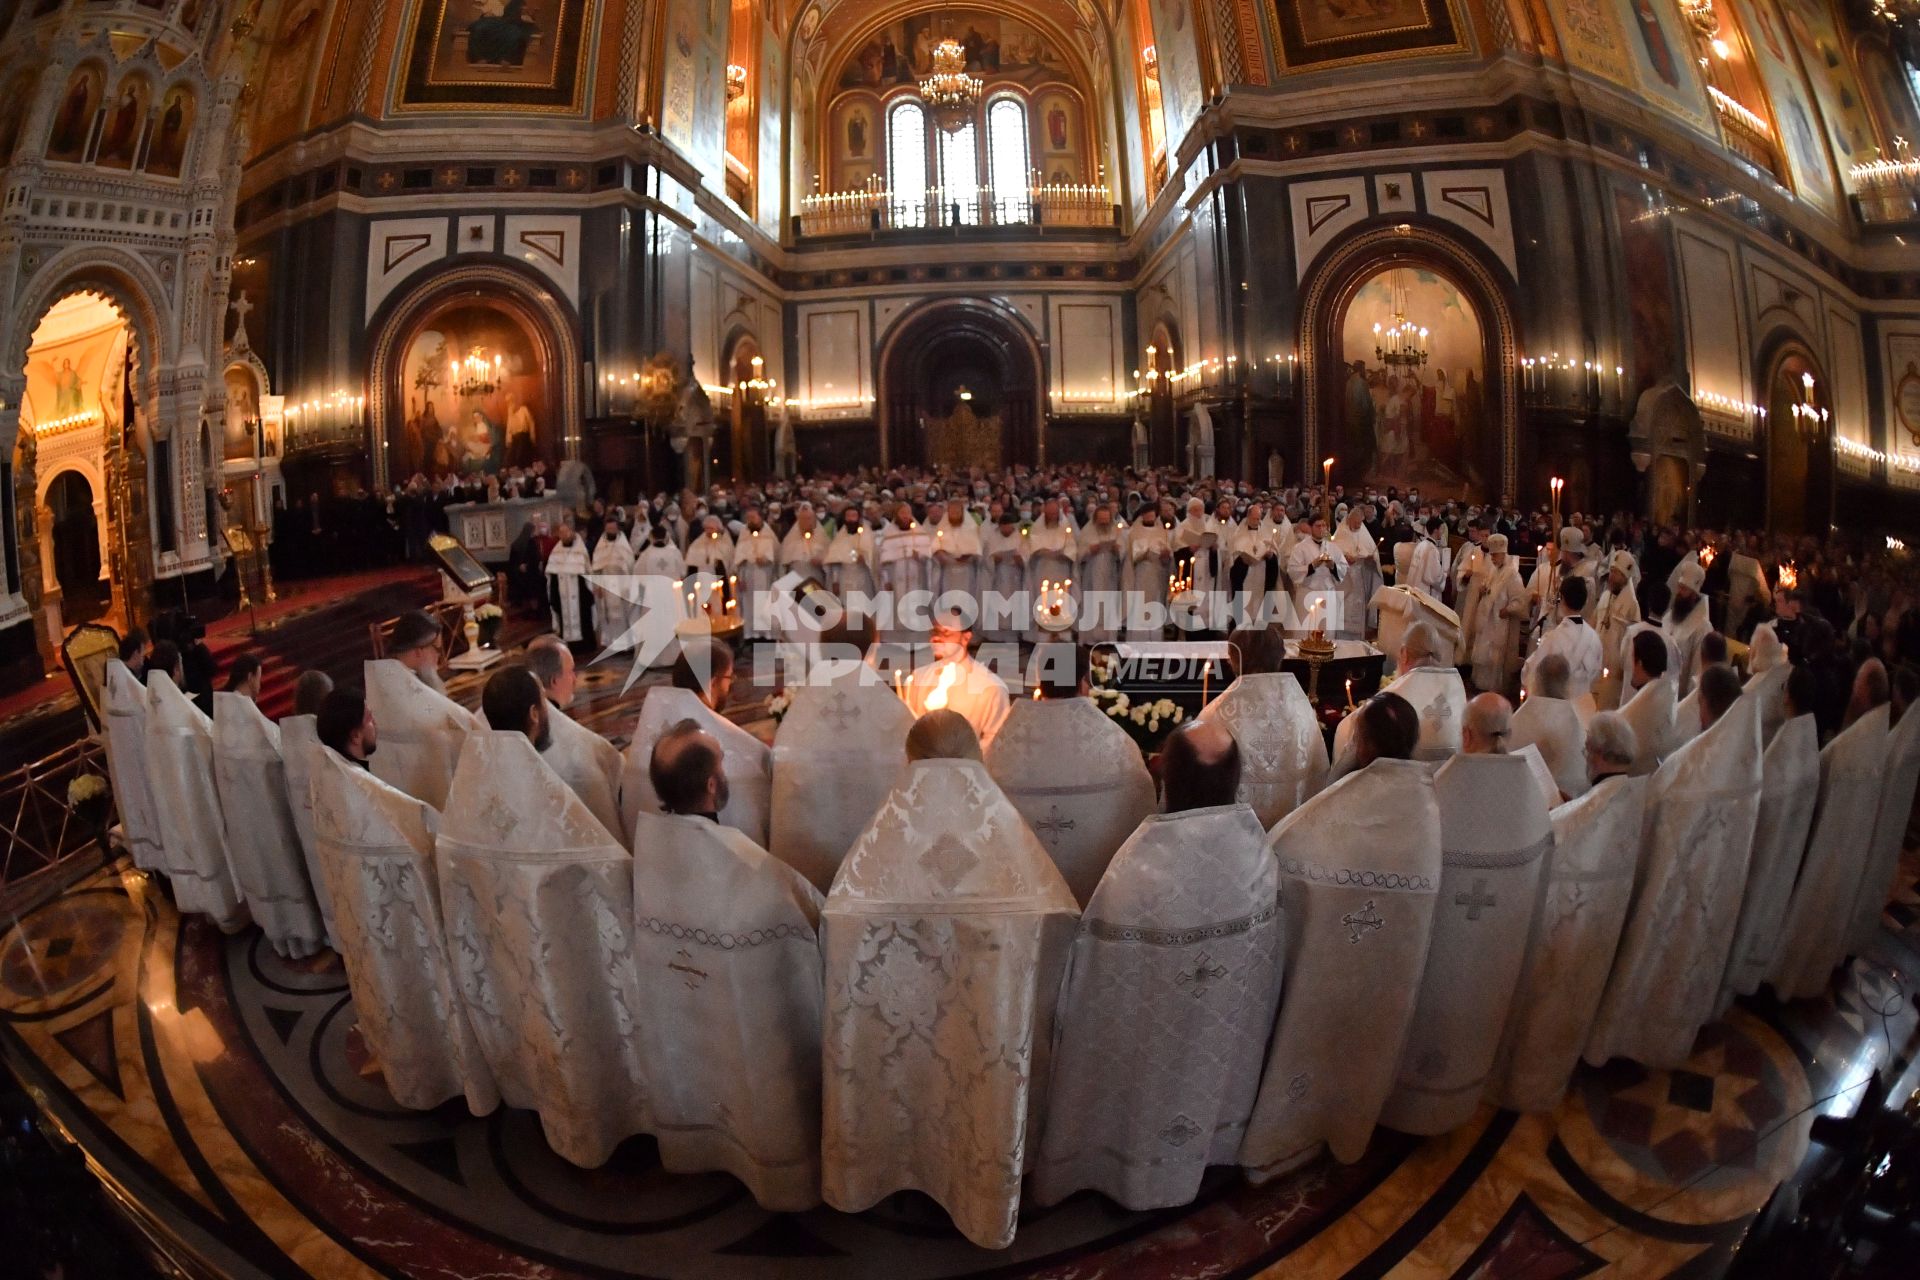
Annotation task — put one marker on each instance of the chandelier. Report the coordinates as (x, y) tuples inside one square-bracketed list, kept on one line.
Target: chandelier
[(1701, 14), (736, 81), (474, 376), (1401, 343), (1898, 12), (950, 93)]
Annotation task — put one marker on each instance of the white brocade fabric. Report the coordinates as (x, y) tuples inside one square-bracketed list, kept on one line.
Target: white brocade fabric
[(186, 810), (1177, 958), (725, 947), (590, 765), (375, 848), (1401, 607), (1359, 867), (1891, 814), (1853, 769), (1553, 726), (420, 731), (539, 913), (1650, 712), (1494, 834), (1078, 780), (1439, 698), (1790, 784), (1582, 908), (300, 750), (126, 705), (1768, 689), (262, 845), (836, 754), (944, 937), (1283, 755), (744, 758), (1701, 809)]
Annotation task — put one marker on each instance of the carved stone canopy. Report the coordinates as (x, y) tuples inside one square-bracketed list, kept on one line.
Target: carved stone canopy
[(1667, 422)]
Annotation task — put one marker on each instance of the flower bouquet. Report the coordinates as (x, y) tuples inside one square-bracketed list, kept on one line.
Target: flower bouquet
[(91, 803), (1146, 722), (489, 617)]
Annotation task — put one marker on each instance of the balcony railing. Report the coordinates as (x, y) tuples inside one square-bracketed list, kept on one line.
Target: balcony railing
[(1889, 190), (874, 209), (1747, 134), (43, 835)]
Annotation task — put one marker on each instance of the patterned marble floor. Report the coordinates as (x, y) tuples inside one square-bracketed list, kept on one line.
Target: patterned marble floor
[(225, 1096)]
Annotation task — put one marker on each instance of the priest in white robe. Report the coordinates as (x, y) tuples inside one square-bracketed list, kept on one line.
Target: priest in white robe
[(1316, 567), (1052, 545), (1614, 620), (1283, 754), (569, 595), (1363, 580), (725, 944), (697, 695), (1686, 623), (850, 559), (804, 549), (186, 810), (1359, 866), (584, 760), (956, 681), (1435, 692), (1650, 708), (1491, 863), (1819, 922), (1099, 550), (1468, 577), (1178, 959), (1573, 639), (1789, 787), (1400, 608), (299, 756), (1200, 559), (1427, 570), (1581, 910), (126, 706), (838, 751), (421, 731), (612, 558), (944, 939), (1499, 617), (375, 850), (756, 565), (903, 563), (1701, 809), (956, 551), (1003, 579), (263, 845), (538, 900), (1891, 816), (1548, 720), (1074, 775), (1149, 570), (1548, 606)]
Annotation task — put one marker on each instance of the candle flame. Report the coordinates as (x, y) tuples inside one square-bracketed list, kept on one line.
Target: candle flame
[(937, 700), (1789, 577)]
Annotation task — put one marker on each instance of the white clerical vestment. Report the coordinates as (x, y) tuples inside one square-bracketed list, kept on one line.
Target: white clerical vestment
[(756, 564), (710, 551), (1101, 578), (1582, 908), (1469, 574), (612, 558), (1359, 867), (299, 755), (1790, 783), (1494, 837), (1686, 637), (1003, 581), (126, 703), (1552, 725), (1701, 809), (1576, 641), (837, 753), (375, 849), (1051, 560), (262, 844), (1313, 581), (1401, 607), (1427, 570), (743, 757), (1891, 814), (1650, 711), (725, 944), (1149, 566), (1499, 604), (1853, 770), (956, 557), (1363, 579), (568, 595), (804, 552), (965, 686), (186, 810), (1618, 613), (944, 938), (1283, 755), (590, 765), (1439, 698), (1200, 540), (421, 731), (850, 564), (1078, 780), (539, 916), (1178, 959)]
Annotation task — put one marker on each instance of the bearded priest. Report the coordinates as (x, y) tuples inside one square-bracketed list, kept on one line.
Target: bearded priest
[(1435, 691), (702, 682), (584, 760), (569, 595)]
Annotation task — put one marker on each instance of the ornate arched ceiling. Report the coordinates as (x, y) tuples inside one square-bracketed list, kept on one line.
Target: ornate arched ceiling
[(831, 32)]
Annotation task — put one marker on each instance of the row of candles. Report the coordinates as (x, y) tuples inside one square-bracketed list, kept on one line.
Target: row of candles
[(1558, 378), (337, 411), (716, 603)]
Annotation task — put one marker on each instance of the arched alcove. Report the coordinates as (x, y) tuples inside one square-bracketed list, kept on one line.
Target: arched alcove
[(1799, 438), (953, 367)]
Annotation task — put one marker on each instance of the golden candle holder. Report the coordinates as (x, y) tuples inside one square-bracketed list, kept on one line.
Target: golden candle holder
[(1317, 651)]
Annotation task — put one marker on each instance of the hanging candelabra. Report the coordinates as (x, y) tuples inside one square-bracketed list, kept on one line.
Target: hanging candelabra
[(1401, 343), (474, 376), (950, 93)]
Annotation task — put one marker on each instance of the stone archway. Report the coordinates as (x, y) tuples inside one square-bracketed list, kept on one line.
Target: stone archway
[(1799, 439), (953, 367), (552, 352)]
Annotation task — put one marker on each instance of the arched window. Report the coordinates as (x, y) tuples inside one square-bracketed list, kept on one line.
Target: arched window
[(907, 160), (960, 170), (1007, 157)]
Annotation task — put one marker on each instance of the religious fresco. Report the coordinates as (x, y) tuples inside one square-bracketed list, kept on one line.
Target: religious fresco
[(859, 141), (1179, 58), (693, 83), (243, 409), (1429, 425), (1835, 86), (167, 151), (1652, 325), (998, 50), (443, 430), (516, 55), (17, 98), (284, 89), (1639, 45), (1796, 125), (125, 122), (1320, 33), (1886, 80), (65, 379), (1057, 125), (73, 118)]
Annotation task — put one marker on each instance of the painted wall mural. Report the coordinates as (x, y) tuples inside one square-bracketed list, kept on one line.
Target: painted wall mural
[(443, 430), (290, 76), (518, 55), (1321, 33), (1836, 88), (1429, 425), (1639, 45), (1795, 117), (999, 50), (1180, 83)]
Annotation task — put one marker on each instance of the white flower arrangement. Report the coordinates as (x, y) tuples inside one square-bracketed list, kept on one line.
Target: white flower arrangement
[(489, 613), (778, 704), (85, 787)]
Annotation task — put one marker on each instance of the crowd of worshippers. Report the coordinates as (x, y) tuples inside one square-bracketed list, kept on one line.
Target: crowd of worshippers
[(895, 949)]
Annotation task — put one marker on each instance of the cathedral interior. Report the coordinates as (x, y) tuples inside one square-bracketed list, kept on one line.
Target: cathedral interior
[(254, 253)]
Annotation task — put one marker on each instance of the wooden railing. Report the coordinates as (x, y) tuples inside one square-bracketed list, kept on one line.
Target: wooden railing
[(876, 209), (41, 834)]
